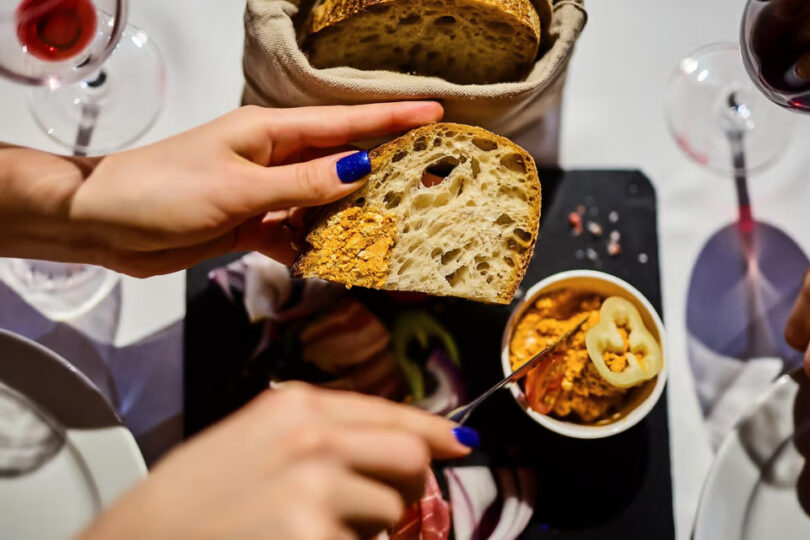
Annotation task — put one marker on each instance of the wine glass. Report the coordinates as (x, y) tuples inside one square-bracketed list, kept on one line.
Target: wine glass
[(711, 103), (98, 84), (776, 50), (727, 106)]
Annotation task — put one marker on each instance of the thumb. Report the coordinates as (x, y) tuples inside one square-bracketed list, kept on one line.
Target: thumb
[(312, 183)]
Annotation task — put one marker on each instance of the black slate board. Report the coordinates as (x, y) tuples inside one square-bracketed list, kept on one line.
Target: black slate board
[(610, 488)]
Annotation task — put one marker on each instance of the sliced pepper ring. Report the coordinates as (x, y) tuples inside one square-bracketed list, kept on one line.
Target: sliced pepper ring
[(644, 357)]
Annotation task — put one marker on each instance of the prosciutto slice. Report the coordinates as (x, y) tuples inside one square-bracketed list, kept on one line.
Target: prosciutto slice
[(428, 519)]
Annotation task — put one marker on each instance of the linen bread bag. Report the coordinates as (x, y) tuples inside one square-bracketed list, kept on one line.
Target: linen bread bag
[(278, 73)]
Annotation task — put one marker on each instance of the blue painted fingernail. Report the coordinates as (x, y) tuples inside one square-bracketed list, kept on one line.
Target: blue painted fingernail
[(354, 167), (467, 436)]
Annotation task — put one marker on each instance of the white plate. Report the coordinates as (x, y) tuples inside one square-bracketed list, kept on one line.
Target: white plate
[(84, 458), (759, 484)]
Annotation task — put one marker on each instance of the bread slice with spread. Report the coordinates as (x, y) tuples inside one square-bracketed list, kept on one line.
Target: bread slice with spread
[(448, 209)]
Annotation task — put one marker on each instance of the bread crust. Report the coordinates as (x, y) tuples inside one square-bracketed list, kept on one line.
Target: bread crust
[(544, 12), (384, 154), (330, 14), (333, 12)]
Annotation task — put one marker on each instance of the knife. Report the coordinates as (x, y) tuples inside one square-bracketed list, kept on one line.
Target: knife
[(461, 414)]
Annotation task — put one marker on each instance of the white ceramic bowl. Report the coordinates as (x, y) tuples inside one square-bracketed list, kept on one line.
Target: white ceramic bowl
[(604, 285)]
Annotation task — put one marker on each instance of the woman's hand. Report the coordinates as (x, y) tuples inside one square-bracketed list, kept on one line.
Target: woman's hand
[(233, 184), (797, 330), (295, 463)]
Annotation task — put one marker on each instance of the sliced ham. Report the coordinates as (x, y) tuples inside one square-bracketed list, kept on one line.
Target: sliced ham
[(348, 335), (379, 376), (428, 519)]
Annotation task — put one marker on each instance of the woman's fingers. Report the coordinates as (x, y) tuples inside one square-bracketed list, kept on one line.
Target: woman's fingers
[(332, 494), (309, 153), (271, 236), (364, 504), (797, 329), (395, 457), (152, 263), (325, 127), (275, 235), (310, 183), (370, 412), (294, 133)]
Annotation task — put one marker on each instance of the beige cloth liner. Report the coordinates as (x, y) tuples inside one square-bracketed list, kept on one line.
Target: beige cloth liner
[(277, 74)]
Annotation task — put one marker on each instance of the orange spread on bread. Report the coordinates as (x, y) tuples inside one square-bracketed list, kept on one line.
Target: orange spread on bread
[(354, 247)]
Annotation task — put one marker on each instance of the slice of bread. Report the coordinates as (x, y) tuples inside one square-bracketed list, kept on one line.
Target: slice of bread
[(448, 209), (461, 41)]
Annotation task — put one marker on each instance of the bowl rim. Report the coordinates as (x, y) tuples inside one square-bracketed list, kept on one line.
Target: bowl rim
[(571, 429)]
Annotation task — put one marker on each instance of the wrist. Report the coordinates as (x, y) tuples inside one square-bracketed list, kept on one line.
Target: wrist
[(36, 190)]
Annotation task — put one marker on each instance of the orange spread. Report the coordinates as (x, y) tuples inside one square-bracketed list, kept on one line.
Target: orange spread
[(354, 247), (583, 393)]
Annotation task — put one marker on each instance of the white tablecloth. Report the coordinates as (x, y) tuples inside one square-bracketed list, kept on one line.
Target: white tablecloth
[(612, 117)]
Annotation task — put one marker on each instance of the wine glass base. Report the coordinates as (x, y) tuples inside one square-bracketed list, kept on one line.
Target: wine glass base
[(60, 291), (112, 109), (711, 96)]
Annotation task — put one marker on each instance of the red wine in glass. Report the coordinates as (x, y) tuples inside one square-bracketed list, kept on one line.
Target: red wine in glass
[(776, 50), (55, 30)]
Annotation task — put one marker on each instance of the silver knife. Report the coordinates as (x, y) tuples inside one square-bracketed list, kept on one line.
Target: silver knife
[(461, 414)]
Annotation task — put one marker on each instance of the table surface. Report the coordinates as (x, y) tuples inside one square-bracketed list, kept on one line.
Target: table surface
[(612, 117)]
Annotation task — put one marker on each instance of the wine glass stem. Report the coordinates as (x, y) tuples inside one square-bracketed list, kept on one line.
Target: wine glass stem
[(746, 218), (87, 124), (92, 88)]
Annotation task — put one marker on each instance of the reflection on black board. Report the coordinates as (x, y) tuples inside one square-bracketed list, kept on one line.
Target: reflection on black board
[(740, 294)]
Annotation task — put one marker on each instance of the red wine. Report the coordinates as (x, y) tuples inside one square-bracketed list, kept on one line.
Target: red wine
[(776, 50), (55, 30)]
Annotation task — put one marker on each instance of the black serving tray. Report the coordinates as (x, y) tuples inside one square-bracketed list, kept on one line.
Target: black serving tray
[(618, 487)]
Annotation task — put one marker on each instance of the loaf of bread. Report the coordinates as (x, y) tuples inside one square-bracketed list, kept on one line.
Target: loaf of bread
[(448, 209), (461, 41)]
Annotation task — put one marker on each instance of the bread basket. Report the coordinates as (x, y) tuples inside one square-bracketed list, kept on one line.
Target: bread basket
[(278, 74)]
